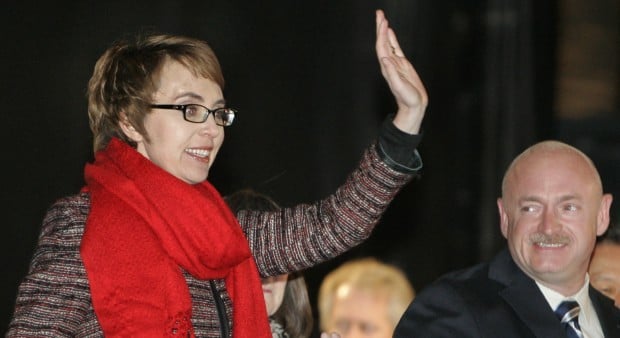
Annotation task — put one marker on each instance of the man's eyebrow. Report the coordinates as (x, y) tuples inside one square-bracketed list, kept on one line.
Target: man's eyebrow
[(529, 198)]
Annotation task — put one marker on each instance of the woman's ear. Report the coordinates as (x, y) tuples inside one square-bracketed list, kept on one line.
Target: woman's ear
[(129, 130)]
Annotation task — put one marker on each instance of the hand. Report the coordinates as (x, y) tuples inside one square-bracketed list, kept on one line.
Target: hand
[(330, 335), (402, 78)]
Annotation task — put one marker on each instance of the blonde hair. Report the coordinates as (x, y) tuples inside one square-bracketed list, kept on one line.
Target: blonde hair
[(367, 274)]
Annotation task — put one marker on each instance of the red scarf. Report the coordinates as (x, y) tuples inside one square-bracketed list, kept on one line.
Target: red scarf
[(144, 226)]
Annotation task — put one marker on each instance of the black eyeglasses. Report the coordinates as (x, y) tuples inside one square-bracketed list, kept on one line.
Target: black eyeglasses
[(197, 113)]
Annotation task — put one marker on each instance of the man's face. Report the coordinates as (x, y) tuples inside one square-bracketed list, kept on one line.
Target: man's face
[(605, 270), (551, 212), (360, 313)]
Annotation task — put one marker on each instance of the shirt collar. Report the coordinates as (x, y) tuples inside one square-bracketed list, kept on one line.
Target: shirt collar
[(582, 296)]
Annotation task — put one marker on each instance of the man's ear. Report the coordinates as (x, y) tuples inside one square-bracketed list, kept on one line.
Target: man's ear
[(602, 222), (129, 130), (503, 217)]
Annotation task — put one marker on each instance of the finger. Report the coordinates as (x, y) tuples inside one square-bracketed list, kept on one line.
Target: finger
[(387, 44), (379, 18), (382, 46), (393, 42)]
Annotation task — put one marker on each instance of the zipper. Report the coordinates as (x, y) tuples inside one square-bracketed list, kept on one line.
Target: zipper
[(221, 311)]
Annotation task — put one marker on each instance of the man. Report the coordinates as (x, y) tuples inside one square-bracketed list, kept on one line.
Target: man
[(363, 298), (551, 211), (605, 265)]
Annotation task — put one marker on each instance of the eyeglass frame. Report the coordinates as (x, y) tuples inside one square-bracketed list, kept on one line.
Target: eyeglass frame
[(183, 108)]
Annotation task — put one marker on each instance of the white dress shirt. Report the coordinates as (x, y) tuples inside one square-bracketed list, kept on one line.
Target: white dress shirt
[(588, 320)]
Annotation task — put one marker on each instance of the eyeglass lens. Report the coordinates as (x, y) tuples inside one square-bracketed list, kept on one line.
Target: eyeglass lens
[(199, 114)]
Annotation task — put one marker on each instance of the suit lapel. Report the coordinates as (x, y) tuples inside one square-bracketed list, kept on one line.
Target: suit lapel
[(525, 298)]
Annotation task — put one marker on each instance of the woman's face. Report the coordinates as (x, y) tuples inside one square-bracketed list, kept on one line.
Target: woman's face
[(273, 290), (184, 149), (605, 270)]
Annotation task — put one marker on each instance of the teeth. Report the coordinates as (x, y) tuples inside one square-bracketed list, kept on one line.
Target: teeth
[(198, 152), (550, 245)]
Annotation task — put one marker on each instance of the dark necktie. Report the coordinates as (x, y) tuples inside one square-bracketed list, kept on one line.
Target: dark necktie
[(567, 312)]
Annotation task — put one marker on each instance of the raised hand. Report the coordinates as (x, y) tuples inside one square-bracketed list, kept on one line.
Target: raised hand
[(402, 78)]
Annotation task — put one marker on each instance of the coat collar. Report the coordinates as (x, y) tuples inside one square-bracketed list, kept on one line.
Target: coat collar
[(608, 314), (523, 295)]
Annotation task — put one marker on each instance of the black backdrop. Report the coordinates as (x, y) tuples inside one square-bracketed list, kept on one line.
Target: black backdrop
[(306, 82)]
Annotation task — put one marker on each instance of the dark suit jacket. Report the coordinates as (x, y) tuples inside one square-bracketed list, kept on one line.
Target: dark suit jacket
[(492, 300)]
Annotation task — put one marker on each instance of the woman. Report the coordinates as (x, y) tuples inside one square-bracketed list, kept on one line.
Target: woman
[(286, 295), (149, 248)]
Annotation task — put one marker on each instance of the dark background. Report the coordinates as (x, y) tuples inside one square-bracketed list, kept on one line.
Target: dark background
[(303, 74)]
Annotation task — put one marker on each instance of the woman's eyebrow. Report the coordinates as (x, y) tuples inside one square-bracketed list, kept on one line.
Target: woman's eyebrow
[(198, 97), (190, 95)]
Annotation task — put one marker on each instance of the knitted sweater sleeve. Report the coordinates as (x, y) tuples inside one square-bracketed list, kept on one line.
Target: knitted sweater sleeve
[(302, 236), (53, 300)]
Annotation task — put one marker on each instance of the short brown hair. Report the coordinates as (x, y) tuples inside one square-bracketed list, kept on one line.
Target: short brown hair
[(125, 78)]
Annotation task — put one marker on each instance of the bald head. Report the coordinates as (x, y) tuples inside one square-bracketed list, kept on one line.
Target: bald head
[(552, 153)]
